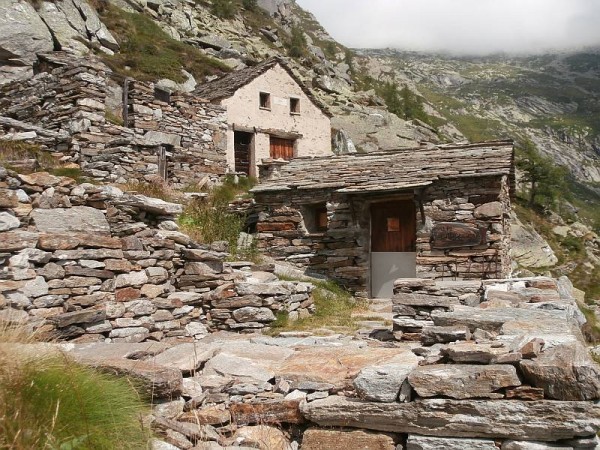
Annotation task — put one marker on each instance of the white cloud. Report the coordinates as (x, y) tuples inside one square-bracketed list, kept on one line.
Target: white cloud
[(461, 26)]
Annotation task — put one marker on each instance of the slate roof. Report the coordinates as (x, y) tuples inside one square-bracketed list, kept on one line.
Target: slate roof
[(227, 85), (393, 170)]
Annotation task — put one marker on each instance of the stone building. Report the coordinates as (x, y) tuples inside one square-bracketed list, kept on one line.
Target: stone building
[(270, 114), (368, 219), (69, 109)]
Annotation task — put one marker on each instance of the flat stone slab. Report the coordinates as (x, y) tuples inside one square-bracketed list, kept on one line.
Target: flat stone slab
[(340, 366), (436, 443), (78, 219), (186, 357), (315, 439), (492, 319), (461, 381), (544, 420), (565, 372), (383, 383)]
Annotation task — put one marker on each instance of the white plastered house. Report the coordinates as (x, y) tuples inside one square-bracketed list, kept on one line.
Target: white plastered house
[(270, 115)]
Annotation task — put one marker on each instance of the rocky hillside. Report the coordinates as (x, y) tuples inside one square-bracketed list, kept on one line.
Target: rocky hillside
[(554, 100)]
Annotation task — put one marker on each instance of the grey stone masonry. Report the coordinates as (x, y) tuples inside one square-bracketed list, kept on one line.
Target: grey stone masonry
[(91, 263), (65, 109)]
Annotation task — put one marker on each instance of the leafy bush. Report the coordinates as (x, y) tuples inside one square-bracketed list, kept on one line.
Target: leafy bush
[(250, 5), (297, 46), (223, 9), (56, 404), (208, 220)]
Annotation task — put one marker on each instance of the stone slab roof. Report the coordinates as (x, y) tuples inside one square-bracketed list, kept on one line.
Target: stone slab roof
[(404, 169), (227, 85)]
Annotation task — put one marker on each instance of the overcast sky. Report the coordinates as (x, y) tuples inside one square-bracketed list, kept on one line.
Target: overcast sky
[(461, 26)]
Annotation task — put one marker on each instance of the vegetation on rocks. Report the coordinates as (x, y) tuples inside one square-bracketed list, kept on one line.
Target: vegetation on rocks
[(208, 220), (297, 45), (149, 54), (334, 310), (546, 181), (50, 402)]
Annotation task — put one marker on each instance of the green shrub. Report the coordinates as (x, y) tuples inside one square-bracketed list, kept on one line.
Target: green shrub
[(208, 220), (250, 5), (57, 404), (297, 46), (223, 9)]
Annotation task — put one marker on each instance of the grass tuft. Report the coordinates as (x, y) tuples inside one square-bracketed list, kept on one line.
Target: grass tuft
[(209, 220), (47, 401), (334, 306)]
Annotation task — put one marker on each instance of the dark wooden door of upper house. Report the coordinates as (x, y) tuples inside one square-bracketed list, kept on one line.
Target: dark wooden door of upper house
[(393, 245), (242, 145), (282, 148)]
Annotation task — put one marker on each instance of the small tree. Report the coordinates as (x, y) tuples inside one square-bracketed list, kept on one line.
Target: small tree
[(223, 9), (298, 45), (547, 181)]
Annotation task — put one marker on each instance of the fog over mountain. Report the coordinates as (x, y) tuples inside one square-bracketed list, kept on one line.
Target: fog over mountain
[(475, 27)]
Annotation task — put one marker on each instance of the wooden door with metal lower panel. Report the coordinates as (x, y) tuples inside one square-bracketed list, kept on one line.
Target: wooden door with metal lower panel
[(393, 244)]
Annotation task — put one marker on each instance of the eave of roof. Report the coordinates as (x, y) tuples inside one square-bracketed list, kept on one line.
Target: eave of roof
[(404, 169)]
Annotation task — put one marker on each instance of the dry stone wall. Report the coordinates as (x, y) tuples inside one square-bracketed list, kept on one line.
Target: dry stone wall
[(93, 263), (507, 372), (64, 109)]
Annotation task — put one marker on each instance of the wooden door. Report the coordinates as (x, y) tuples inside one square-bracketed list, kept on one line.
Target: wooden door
[(242, 151), (282, 148), (393, 243), (393, 226)]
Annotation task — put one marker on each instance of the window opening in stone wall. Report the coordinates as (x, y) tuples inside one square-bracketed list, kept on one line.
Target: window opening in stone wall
[(315, 217), (294, 105), (265, 100), (162, 95)]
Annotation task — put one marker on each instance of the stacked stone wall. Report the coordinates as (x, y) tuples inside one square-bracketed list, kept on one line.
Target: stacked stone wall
[(342, 251), (70, 98), (93, 263)]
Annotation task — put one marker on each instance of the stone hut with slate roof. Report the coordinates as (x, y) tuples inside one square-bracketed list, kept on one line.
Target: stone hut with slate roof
[(270, 114), (368, 219)]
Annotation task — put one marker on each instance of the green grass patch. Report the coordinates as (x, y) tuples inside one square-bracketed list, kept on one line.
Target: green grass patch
[(209, 220), (477, 129), (149, 54), (53, 403), (12, 152), (335, 307)]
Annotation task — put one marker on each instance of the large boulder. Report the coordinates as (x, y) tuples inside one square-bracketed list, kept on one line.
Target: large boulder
[(22, 33), (79, 219), (508, 419), (74, 22)]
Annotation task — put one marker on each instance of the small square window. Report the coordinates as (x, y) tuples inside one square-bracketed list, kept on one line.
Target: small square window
[(265, 100), (315, 217), (162, 95), (294, 105)]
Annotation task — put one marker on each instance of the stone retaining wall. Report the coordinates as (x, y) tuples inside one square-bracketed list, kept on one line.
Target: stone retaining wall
[(508, 372), (70, 97), (90, 262)]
